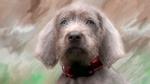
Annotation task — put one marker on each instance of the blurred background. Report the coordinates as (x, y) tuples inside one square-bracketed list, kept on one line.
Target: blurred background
[(21, 21)]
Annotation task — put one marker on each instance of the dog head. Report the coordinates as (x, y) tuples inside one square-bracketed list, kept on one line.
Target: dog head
[(78, 34)]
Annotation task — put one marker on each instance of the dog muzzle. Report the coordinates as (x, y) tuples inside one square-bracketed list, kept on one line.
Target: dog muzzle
[(80, 71)]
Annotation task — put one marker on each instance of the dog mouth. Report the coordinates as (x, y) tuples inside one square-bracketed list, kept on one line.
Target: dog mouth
[(75, 50), (75, 53)]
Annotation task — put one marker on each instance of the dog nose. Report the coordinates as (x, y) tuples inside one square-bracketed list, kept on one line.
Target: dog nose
[(74, 36)]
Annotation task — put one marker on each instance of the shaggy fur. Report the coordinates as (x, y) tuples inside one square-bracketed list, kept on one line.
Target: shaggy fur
[(97, 37)]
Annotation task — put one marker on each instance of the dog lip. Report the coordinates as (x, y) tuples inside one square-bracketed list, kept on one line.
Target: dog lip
[(75, 45), (74, 48)]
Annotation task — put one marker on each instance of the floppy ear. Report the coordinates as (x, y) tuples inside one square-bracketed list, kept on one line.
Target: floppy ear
[(111, 47), (45, 49)]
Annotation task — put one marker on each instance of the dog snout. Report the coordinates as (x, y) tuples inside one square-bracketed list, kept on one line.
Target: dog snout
[(74, 37)]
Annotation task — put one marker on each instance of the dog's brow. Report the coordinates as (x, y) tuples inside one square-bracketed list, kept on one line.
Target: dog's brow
[(66, 14), (88, 15)]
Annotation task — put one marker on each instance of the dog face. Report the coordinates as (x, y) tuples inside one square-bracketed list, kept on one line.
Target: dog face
[(78, 34)]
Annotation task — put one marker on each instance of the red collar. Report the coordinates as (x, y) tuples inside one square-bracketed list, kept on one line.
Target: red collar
[(94, 65)]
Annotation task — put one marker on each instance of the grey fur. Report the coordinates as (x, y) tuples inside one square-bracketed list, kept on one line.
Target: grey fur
[(99, 39)]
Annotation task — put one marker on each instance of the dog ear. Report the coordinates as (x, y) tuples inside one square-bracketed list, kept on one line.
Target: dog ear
[(111, 47), (45, 49)]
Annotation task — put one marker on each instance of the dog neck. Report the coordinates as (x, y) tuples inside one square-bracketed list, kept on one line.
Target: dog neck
[(76, 70)]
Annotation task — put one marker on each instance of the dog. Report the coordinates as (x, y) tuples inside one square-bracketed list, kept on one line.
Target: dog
[(85, 43)]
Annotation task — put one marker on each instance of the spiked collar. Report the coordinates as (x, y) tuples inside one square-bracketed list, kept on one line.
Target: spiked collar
[(80, 71)]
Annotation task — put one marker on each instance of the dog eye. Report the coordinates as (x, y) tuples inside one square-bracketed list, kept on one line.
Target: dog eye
[(64, 22), (90, 22)]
